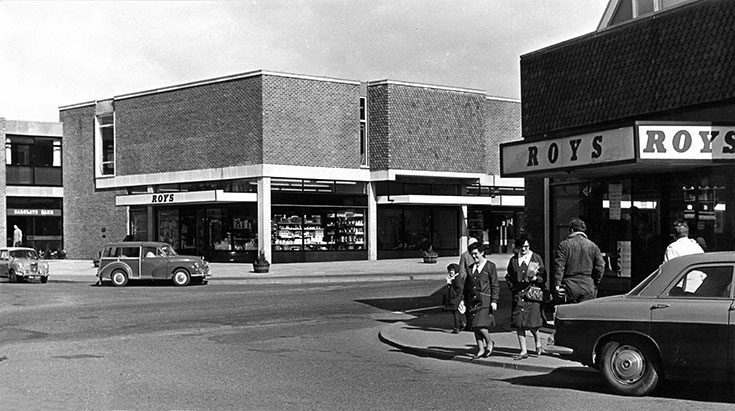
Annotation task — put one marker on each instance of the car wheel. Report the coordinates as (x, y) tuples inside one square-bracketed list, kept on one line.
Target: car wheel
[(629, 367), (119, 278), (181, 277), (12, 278), (44, 280)]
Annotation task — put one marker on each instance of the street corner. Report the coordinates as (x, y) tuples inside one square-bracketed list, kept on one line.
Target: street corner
[(430, 336)]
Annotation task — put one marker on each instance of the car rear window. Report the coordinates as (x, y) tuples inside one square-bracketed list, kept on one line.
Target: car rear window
[(129, 252)]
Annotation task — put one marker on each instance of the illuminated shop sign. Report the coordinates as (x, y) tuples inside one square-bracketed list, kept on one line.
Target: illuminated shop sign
[(603, 147), (685, 141), (32, 212)]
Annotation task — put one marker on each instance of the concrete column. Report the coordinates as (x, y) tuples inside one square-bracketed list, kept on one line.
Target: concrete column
[(372, 222), (464, 231), (3, 191), (547, 229), (264, 217)]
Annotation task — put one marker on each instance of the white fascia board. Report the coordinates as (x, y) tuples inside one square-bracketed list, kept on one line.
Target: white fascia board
[(391, 174), (509, 182), (185, 197), (513, 201), (33, 191), (438, 200), (235, 172)]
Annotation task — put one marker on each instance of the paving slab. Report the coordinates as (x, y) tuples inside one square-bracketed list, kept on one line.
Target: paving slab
[(430, 335)]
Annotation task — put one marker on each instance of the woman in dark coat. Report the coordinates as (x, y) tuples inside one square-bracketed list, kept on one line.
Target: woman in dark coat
[(525, 268), (455, 296), (482, 292)]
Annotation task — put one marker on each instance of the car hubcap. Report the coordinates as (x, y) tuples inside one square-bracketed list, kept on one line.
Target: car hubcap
[(118, 278), (180, 278), (628, 364)]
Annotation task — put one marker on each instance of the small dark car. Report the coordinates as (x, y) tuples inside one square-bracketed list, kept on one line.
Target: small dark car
[(678, 323), (148, 260)]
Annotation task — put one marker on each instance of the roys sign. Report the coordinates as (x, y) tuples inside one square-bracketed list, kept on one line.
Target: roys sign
[(609, 146), (685, 142)]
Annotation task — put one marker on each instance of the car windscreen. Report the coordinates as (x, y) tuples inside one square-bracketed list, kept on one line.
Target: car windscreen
[(30, 254), (643, 284)]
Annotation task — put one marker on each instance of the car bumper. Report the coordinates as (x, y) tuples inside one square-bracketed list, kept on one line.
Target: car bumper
[(32, 276)]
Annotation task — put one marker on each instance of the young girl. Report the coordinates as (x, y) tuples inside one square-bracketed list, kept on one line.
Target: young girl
[(455, 297)]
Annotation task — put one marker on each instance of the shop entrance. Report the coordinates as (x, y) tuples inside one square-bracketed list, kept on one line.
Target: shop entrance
[(631, 219)]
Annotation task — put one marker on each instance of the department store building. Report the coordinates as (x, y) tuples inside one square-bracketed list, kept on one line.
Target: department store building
[(304, 168), (632, 127)]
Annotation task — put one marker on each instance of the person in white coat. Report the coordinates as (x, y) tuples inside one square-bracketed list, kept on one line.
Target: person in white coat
[(683, 245)]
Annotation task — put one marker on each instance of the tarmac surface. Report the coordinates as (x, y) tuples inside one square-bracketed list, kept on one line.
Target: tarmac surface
[(422, 331)]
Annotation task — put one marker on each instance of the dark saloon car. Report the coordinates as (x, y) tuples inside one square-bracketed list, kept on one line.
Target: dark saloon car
[(148, 260), (678, 323)]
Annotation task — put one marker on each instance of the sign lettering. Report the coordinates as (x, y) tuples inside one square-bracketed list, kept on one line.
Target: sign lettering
[(162, 198), (686, 142)]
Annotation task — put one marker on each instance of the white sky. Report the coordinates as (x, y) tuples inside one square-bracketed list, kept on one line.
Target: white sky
[(59, 53)]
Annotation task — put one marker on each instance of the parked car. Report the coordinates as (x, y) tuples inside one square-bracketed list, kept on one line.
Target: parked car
[(148, 260), (21, 263), (677, 323)]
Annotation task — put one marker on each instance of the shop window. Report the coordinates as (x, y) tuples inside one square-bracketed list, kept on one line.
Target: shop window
[(105, 145), (325, 230)]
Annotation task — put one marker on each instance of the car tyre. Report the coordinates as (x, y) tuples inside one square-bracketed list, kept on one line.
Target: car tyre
[(12, 278), (629, 367), (44, 280), (119, 278), (181, 277)]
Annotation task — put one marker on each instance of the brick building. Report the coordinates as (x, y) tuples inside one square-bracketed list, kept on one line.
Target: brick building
[(630, 127), (303, 168)]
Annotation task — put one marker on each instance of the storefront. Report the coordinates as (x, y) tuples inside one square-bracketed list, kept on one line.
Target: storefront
[(631, 184), (40, 221)]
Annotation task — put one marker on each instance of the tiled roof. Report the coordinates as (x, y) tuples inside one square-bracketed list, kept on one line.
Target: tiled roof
[(681, 58)]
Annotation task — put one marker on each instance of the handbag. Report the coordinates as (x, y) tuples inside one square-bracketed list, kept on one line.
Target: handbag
[(534, 293)]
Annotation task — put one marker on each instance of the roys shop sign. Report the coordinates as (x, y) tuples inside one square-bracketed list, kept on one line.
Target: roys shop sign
[(609, 146), (673, 141)]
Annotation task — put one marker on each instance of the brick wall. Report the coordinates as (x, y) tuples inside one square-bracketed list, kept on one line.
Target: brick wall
[(213, 125), (502, 124), (86, 211), (429, 129), (378, 147), (311, 123)]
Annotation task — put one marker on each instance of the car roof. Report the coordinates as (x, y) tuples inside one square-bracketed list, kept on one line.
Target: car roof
[(17, 248), (670, 269), (136, 244)]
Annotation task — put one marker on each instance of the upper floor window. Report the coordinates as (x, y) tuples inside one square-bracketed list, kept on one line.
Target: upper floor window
[(621, 11), (105, 145), (33, 160), (363, 131)]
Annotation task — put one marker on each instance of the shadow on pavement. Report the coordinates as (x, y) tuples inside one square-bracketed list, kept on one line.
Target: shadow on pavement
[(586, 379), (407, 303)]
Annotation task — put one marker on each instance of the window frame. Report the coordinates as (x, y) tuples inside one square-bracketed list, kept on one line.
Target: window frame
[(700, 267), (100, 162)]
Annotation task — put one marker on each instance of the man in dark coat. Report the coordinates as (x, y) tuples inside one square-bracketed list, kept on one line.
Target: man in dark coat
[(578, 266)]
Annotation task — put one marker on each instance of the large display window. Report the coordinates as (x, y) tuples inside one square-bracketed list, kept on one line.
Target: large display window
[(298, 229), (631, 219), (403, 232)]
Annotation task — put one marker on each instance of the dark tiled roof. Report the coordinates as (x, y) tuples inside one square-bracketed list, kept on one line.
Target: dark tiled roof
[(680, 58)]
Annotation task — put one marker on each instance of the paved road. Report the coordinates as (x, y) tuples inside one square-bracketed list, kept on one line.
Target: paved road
[(233, 346)]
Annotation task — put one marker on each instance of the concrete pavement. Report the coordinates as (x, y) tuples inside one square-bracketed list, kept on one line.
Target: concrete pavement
[(297, 273)]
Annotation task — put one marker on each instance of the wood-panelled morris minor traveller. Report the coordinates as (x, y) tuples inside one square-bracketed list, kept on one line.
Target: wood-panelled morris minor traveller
[(149, 260), (678, 323)]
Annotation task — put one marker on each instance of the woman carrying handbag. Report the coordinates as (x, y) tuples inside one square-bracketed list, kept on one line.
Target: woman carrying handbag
[(526, 277)]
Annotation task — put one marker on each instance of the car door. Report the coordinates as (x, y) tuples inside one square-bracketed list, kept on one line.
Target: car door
[(4, 262), (130, 255), (153, 264), (692, 321)]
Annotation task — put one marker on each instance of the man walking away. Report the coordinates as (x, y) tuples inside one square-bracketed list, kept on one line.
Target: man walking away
[(578, 266)]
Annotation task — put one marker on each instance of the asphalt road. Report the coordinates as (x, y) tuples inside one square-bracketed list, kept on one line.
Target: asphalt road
[(228, 346)]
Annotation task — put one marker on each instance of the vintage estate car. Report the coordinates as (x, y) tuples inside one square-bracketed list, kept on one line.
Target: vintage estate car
[(148, 260), (21, 263), (677, 323)]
